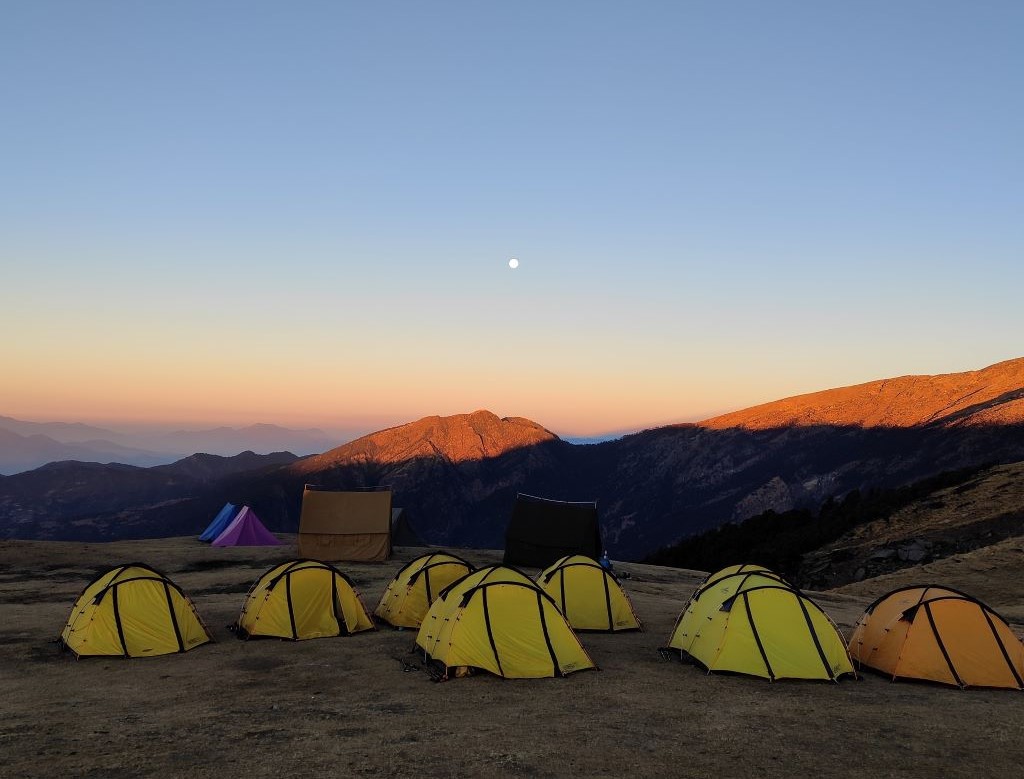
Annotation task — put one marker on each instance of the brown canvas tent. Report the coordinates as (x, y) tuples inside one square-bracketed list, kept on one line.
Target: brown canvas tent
[(345, 525)]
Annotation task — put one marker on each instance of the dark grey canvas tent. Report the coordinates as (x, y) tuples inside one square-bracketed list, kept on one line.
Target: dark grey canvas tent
[(542, 531), (402, 531)]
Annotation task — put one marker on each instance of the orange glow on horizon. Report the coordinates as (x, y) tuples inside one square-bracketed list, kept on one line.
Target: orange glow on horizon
[(226, 380), (150, 402)]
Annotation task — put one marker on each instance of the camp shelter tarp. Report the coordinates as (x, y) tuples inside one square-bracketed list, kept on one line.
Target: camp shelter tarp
[(402, 531), (589, 596), (754, 623), (941, 635), (352, 525), (302, 599), (246, 530), (133, 611), (221, 521), (416, 586), (542, 531), (499, 623)]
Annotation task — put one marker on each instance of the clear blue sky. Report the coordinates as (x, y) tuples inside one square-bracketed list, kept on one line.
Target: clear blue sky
[(303, 212)]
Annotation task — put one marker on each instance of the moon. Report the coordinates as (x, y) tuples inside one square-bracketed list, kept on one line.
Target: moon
[(513, 263)]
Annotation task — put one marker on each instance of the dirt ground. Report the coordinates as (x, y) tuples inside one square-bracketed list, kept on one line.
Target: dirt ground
[(345, 706)]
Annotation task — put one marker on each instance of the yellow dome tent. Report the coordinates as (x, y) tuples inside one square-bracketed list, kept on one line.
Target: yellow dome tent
[(729, 570), (710, 596), (940, 635), (416, 586), (443, 605), (589, 596), (447, 603), (754, 623), (133, 611), (497, 619), (302, 599)]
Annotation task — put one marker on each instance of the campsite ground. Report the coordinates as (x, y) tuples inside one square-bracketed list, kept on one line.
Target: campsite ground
[(346, 707)]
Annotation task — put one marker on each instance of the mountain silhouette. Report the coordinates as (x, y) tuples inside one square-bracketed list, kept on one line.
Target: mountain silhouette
[(457, 476)]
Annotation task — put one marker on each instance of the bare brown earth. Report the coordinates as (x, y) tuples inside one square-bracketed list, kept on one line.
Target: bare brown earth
[(345, 707)]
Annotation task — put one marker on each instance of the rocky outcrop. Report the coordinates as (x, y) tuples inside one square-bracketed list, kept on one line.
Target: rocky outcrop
[(984, 510), (773, 496)]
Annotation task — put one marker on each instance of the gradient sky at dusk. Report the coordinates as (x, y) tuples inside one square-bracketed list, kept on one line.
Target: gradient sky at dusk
[(302, 213)]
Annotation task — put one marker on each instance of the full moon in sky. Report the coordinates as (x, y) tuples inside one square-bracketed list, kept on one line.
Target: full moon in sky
[(513, 263)]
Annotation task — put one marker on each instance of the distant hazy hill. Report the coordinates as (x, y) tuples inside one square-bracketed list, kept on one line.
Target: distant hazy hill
[(65, 432), (24, 452), (260, 438), (26, 445), (458, 475)]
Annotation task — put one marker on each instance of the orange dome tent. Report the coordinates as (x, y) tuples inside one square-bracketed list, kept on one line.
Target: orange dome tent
[(940, 635)]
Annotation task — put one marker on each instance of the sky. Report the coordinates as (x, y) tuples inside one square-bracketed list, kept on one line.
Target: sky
[(302, 213)]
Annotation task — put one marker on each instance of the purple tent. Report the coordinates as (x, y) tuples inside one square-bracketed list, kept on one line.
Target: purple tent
[(246, 530)]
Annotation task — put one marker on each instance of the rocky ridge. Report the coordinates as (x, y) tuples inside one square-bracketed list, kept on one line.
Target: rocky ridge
[(458, 476), (455, 439), (991, 396)]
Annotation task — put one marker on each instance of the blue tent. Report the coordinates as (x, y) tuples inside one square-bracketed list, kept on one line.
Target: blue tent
[(221, 521)]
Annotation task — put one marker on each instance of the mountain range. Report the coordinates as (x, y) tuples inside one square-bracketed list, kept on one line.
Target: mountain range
[(23, 452), (26, 445), (458, 475)]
